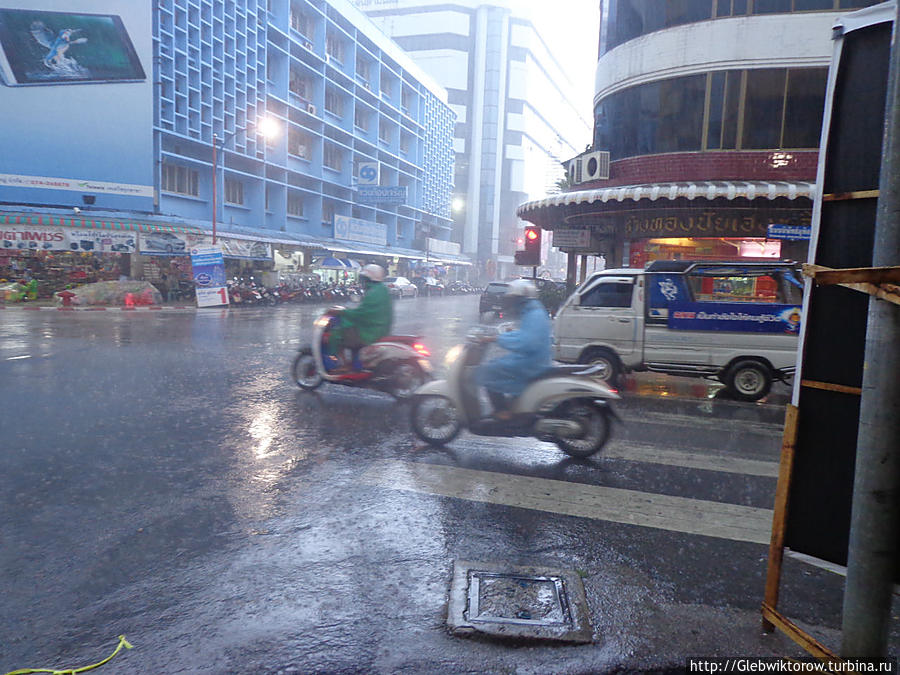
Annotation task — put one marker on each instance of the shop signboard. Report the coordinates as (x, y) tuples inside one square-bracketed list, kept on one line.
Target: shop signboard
[(734, 317), (208, 270), (789, 232), (46, 238), (382, 194), (571, 239), (164, 243), (246, 248), (358, 230)]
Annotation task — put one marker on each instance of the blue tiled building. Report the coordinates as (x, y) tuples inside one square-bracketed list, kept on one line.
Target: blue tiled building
[(342, 96)]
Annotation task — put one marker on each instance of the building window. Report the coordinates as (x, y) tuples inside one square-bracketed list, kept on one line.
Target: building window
[(327, 213), (268, 198), (334, 103), (301, 22), (404, 143), (294, 204), (362, 70), (361, 119), (299, 143), (234, 191), (629, 19), (334, 47), (399, 230), (299, 85), (760, 109), (180, 180), (332, 157), (405, 99), (384, 131), (386, 87)]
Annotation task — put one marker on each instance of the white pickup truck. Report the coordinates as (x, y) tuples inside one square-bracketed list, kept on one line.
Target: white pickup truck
[(737, 322)]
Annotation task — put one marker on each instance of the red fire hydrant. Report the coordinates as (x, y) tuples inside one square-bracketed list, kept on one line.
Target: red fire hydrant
[(66, 297)]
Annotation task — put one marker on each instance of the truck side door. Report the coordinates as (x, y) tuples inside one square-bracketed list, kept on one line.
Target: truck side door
[(605, 314)]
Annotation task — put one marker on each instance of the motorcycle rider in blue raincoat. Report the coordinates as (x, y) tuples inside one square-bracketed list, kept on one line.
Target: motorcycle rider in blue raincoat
[(529, 348)]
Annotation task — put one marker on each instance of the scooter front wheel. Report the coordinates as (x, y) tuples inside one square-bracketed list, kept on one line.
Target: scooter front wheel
[(305, 370), (435, 419), (596, 427)]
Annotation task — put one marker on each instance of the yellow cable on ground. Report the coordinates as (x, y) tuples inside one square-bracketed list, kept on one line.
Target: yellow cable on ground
[(71, 671)]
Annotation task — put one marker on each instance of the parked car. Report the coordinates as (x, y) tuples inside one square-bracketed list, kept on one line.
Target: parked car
[(163, 241), (428, 285), (491, 297), (401, 287)]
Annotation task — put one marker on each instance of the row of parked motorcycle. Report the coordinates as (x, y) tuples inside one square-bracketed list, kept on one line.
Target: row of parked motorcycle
[(246, 292)]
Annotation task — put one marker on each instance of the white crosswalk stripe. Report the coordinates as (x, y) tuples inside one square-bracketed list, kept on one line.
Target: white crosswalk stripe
[(638, 452), (677, 514)]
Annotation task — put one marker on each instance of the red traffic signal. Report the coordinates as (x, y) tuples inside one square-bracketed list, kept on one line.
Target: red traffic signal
[(531, 256)]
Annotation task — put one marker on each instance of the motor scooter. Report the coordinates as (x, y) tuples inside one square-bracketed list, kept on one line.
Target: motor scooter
[(396, 364), (565, 405)]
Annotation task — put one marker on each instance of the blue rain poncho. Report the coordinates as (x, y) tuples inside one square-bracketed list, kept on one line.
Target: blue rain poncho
[(529, 353)]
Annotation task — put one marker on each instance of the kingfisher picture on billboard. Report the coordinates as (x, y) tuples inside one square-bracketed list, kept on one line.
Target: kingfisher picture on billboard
[(38, 47)]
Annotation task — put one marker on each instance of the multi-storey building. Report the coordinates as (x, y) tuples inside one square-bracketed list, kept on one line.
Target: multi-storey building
[(707, 119), (517, 115), (361, 159)]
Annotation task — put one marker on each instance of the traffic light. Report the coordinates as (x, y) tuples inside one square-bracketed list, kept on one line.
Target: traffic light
[(531, 255)]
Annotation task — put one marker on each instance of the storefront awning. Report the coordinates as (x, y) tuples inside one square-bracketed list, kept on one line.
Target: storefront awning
[(96, 223), (700, 189)]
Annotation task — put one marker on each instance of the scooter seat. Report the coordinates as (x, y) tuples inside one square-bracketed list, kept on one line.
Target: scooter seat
[(562, 371), (402, 339)]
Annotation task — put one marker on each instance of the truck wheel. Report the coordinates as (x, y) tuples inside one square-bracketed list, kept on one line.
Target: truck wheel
[(749, 380), (610, 371)]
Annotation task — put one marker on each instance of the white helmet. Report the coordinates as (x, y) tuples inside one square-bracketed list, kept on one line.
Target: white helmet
[(373, 272), (521, 288)]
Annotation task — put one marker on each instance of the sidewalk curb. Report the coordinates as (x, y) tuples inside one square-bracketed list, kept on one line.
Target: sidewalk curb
[(151, 308)]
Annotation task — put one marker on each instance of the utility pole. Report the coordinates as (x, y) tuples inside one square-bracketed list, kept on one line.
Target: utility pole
[(875, 521)]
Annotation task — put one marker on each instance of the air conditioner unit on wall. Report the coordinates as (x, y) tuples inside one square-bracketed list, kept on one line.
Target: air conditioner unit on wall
[(594, 166), (310, 108), (574, 171)]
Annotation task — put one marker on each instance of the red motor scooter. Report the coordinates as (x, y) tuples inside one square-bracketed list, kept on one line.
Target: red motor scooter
[(395, 364)]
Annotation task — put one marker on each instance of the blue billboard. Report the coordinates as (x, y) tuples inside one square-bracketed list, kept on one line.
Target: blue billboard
[(77, 113), (735, 317)]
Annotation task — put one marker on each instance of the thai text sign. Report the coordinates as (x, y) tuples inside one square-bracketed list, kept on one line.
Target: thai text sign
[(382, 194), (364, 231), (46, 238), (743, 317), (789, 232)]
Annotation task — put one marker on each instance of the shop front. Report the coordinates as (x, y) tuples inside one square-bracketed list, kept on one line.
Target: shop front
[(633, 226)]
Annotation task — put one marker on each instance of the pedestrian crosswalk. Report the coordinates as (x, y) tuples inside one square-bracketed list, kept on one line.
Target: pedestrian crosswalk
[(631, 507), (708, 458)]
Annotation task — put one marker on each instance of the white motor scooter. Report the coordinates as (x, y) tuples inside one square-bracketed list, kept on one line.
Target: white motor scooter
[(565, 405), (396, 364)]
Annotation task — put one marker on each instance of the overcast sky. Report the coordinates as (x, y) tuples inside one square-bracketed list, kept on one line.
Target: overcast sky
[(571, 29)]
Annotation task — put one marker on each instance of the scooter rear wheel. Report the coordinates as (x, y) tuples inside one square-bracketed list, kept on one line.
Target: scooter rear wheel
[(405, 379), (304, 370), (595, 423), (435, 419)]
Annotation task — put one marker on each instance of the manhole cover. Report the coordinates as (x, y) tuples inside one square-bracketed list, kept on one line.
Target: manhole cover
[(520, 602)]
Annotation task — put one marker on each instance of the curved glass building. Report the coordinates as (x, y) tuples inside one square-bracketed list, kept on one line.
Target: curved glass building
[(707, 116)]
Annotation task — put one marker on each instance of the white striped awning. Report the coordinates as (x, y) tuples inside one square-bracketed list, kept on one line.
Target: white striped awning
[(700, 189)]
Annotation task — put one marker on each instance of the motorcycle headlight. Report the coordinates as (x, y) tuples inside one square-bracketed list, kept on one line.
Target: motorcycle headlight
[(322, 321), (452, 355)]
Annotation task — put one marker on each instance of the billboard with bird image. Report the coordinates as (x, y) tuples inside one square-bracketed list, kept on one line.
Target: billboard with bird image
[(41, 47)]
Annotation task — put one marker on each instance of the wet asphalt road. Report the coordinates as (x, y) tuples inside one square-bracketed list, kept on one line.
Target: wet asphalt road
[(161, 477)]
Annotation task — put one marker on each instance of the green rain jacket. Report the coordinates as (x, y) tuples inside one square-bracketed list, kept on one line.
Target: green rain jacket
[(374, 315)]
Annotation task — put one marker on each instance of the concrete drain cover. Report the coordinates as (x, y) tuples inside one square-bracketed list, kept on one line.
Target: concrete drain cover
[(518, 602)]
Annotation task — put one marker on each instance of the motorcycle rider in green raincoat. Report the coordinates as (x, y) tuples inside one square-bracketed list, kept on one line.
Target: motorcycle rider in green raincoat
[(366, 323)]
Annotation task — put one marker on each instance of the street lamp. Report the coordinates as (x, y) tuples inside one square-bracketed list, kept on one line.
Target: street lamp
[(266, 127)]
